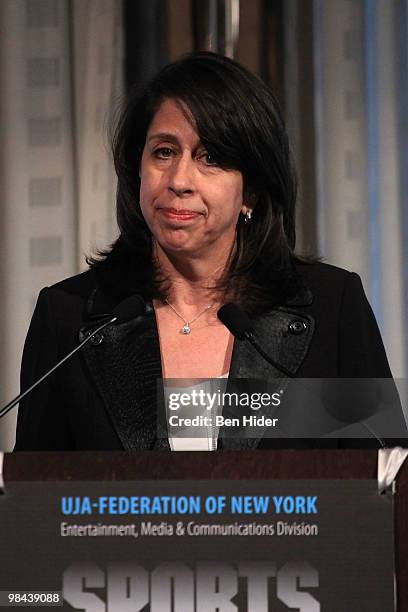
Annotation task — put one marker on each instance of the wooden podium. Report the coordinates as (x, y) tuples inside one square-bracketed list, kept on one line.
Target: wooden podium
[(224, 465)]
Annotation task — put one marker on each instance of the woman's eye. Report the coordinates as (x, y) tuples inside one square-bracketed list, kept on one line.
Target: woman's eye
[(208, 159), (163, 153)]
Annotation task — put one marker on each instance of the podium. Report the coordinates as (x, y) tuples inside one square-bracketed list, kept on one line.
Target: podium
[(308, 466)]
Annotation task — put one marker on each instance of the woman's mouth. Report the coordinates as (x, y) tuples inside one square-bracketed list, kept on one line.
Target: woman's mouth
[(179, 214)]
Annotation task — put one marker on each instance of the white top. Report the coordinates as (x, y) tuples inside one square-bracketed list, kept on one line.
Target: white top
[(200, 441)]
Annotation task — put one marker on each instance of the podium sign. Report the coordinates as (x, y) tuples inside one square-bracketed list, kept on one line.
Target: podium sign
[(200, 546)]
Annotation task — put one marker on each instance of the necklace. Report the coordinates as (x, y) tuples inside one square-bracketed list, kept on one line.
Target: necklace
[(186, 329)]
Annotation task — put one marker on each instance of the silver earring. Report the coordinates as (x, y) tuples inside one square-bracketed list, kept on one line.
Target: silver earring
[(248, 216)]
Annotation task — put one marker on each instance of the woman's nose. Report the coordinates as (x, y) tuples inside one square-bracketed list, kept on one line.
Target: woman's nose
[(181, 176)]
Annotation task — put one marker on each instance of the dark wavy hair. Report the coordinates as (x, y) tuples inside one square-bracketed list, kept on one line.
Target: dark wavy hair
[(239, 123)]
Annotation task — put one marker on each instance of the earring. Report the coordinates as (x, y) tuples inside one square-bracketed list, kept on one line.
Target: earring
[(248, 216)]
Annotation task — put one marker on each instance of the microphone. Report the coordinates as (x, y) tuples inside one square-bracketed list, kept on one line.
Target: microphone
[(236, 320), (240, 326), (130, 308), (125, 311)]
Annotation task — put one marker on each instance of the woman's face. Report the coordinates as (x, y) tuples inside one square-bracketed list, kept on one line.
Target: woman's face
[(190, 204)]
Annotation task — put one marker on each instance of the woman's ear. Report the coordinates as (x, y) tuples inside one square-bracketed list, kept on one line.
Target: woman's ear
[(245, 209), (247, 213), (249, 203)]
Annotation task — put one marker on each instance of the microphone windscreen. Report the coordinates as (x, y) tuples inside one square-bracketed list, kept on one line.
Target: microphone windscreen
[(130, 308), (235, 319)]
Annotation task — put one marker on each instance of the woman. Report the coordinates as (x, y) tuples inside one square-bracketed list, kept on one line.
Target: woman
[(205, 206)]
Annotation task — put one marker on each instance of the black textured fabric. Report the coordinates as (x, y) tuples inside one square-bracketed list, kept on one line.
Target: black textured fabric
[(105, 397)]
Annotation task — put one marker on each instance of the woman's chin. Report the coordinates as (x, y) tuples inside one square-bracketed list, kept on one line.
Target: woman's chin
[(178, 241), (179, 248)]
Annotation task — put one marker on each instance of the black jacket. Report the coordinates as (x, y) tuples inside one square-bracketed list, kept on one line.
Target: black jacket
[(105, 397)]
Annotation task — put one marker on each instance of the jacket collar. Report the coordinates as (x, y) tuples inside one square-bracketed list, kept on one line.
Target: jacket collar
[(125, 364)]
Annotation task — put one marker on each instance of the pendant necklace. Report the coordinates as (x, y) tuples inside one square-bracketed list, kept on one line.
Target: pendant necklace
[(186, 329)]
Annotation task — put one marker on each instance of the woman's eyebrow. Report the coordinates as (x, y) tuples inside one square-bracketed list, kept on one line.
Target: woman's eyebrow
[(163, 136)]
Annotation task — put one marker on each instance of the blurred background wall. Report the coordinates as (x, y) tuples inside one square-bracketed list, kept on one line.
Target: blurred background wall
[(338, 67)]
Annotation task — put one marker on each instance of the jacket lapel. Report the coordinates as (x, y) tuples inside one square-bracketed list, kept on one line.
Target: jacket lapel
[(285, 335), (124, 363)]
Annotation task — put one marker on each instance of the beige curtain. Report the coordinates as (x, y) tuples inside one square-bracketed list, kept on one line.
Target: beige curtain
[(359, 143), (60, 75)]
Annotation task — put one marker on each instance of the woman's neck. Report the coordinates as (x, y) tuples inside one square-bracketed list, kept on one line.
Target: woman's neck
[(192, 280)]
